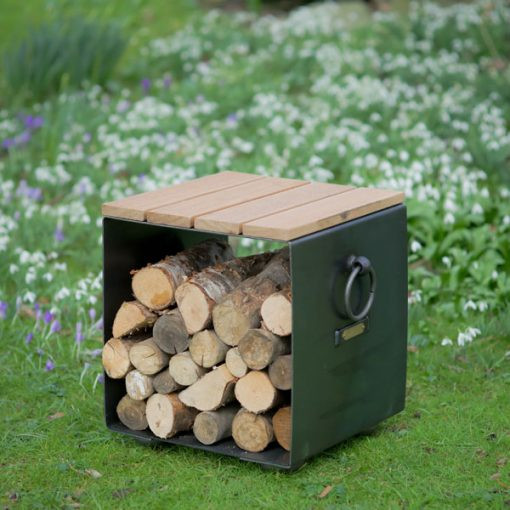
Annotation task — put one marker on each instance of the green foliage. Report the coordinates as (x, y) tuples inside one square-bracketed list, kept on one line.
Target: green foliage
[(62, 54)]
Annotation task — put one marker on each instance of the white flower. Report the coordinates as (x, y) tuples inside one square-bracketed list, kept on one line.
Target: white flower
[(29, 297), (477, 209), (13, 268), (62, 293), (415, 246), (447, 261), (449, 218), (482, 306), (470, 305), (446, 341)]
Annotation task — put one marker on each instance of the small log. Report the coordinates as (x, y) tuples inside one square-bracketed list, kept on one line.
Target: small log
[(197, 296), (207, 349), (259, 348), (282, 427), (170, 333), (280, 372), (276, 312), (147, 357), (167, 415), (155, 284), (165, 383), (115, 357), (252, 432), (212, 426), (213, 390), (131, 317), (184, 370), (132, 413), (256, 393), (139, 386), (239, 310), (235, 363)]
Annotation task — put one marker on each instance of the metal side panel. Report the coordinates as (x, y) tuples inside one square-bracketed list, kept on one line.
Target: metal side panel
[(339, 391)]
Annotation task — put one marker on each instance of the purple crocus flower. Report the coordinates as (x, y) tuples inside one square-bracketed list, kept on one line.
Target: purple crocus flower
[(167, 81), (232, 119), (100, 378), (96, 352), (32, 122), (23, 138), (55, 326), (3, 309), (48, 317), (29, 338), (99, 324), (146, 85), (79, 336), (34, 193), (8, 143), (59, 235), (92, 314), (87, 137), (49, 365)]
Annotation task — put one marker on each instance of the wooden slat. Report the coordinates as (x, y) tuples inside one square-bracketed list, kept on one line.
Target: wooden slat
[(322, 214), (136, 207), (184, 213), (231, 219)]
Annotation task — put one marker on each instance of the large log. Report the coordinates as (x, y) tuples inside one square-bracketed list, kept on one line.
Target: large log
[(132, 413), (256, 393), (280, 372), (147, 357), (197, 296), (167, 415), (165, 383), (184, 370), (213, 390), (239, 310), (282, 427), (115, 356), (207, 349), (276, 312), (139, 386), (170, 333), (131, 317), (259, 348), (235, 363), (252, 432), (212, 426), (155, 284)]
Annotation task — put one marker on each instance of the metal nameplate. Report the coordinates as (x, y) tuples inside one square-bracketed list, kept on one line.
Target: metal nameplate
[(351, 331)]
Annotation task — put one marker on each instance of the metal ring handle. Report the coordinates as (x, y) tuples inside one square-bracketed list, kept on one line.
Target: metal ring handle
[(360, 266)]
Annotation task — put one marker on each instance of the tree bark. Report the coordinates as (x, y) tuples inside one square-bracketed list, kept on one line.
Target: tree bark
[(213, 390), (147, 357), (155, 284), (132, 413), (280, 372), (197, 296), (282, 427), (170, 333), (276, 312), (165, 383), (167, 415), (235, 363), (252, 432), (131, 317), (184, 370), (259, 348), (239, 310), (207, 349), (212, 426), (256, 393), (139, 386)]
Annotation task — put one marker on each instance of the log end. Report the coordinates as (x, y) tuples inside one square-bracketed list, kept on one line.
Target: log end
[(195, 307), (153, 287), (282, 427), (251, 432), (115, 357), (230, 324), (276, 312)]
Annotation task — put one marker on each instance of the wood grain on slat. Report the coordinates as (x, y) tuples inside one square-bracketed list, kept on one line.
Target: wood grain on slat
[(135, 207), (231, 219), (322, 214), (184, 213)]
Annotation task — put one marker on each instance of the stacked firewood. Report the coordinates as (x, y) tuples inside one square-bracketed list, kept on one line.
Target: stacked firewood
[(205, 346)]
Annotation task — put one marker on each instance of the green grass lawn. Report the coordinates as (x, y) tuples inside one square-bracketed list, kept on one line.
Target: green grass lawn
[(421, 105)]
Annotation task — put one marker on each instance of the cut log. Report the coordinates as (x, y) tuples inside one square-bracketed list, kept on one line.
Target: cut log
[(259, 348), (282, 427), (280, 372), (131, 317), (213, 390), (235, 363), (170, 333), (167, 415), (207, 349), (276, 312), (197, 296), (239, 310), (132, 413), (115, 357), (165, 383), (139, 386), (256, 393), (184, 370), (155, 284), (252, 432), (212, 426), (147, 357)]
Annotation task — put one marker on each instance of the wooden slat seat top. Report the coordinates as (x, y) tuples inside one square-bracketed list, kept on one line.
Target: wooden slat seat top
[(253, 205)]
